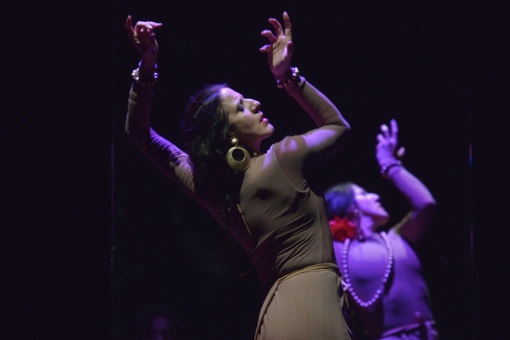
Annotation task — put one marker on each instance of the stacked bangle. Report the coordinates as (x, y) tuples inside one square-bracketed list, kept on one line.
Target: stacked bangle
[(144, 80), (385, 168), (294, 78)]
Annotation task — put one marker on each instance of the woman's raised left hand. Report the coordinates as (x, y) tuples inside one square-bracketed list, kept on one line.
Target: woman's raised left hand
[(143, 38)]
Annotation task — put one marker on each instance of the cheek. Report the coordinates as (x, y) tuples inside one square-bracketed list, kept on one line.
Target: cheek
[(363, 208), (363, 205), (359, 201), (245, 125), (235, 123)]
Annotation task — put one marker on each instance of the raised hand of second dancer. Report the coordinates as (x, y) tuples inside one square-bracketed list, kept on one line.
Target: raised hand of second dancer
[(387, 144), (280, 48)]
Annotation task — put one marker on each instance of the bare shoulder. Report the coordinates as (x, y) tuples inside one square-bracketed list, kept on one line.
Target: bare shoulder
[(394, 235)]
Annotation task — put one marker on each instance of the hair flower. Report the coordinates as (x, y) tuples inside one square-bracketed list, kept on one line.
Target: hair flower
[(342, 228)]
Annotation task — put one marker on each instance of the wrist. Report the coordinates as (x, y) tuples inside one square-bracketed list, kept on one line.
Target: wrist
[(145, 76), (147, 67), (283, 76), (387, 166), (291, 76)]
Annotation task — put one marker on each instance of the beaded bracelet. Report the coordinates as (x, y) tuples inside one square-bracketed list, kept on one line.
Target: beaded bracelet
[(294, 78), (144, 80), (386, 167)]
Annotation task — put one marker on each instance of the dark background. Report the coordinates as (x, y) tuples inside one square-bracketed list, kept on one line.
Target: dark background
[(93, 234)]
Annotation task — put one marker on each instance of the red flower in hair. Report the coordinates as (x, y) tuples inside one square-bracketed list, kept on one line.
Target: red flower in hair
[(342, 228)]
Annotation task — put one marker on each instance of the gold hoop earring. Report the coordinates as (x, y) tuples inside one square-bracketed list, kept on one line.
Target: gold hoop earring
[(238, 158)]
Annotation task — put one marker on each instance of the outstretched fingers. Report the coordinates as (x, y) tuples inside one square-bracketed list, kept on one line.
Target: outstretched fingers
[(281, 33), (394, 129), (269, 35), (389, 136), (277, 26), (128, 26), (265, 48), (385, 131), (286, 30), (401, 152), (288, 25)]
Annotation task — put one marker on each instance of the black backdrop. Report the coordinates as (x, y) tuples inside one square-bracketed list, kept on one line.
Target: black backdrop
[(93, 233)]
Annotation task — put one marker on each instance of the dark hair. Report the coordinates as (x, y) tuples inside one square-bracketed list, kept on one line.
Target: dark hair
[(205, 133), (205, 130), (340, 200)]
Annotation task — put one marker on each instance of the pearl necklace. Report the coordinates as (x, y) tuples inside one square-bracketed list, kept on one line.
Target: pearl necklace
[(386, 276)]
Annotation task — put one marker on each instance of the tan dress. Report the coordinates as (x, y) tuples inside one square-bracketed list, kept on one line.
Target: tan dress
[(284, 231)]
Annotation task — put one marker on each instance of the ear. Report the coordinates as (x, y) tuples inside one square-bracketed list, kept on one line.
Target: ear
[(354, 214)]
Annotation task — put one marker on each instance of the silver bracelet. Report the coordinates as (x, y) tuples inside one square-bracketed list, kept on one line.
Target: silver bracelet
[(144, 80), (294, 78)]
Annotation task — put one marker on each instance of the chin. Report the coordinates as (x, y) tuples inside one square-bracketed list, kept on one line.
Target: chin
[(270, 131)]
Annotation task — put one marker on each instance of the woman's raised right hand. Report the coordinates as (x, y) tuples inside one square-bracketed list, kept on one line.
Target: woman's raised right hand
[(143, 38), (280, 48)]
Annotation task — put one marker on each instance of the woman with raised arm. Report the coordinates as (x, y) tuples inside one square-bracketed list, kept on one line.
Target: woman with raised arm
[(260, 197), (382, 273)]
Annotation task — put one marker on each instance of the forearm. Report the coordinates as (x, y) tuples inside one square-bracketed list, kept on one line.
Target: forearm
[(317, 105), (416, 193), (161, 152), (415, 224), (139, 108), (318, 145)]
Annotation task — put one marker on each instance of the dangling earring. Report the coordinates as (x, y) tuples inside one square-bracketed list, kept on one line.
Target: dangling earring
[(238, 158)]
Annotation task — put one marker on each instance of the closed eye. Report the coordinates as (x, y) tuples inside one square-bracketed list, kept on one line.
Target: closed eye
[(240, 104)]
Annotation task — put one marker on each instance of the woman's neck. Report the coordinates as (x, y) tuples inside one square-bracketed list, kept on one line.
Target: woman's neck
[(367, 226)]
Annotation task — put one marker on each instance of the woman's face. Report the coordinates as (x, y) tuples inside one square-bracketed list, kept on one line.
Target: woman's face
[(368, 204), (247, 122)]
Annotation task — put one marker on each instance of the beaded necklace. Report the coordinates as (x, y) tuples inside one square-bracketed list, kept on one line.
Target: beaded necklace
[(380, 290)]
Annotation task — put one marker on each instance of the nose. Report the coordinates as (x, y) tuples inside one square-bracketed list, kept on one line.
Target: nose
[(254, 105)]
